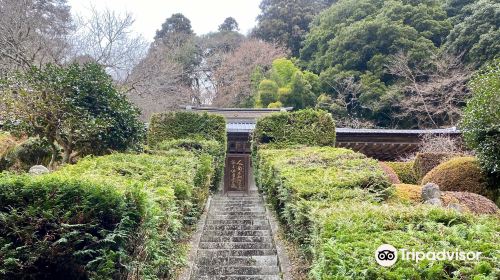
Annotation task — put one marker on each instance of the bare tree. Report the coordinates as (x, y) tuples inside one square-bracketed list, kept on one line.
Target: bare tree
[(156, 83), (107, 38), (433, 94), (233, 77), (32, 33), (345, 106)]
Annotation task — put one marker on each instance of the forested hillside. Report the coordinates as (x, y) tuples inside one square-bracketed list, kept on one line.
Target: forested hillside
[(371, 63)]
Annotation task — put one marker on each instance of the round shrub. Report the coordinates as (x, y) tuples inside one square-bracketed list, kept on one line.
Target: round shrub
[(475, 203), (405, 171), (389, 172), (460, 174), (481, 118), (407, 193), (425, 162)]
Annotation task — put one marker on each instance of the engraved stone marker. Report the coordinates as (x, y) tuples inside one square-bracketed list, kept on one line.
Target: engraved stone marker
[(236, 173)]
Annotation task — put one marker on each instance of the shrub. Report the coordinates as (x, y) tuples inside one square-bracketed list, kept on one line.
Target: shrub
[(407, 193), (351, 232), (305, 127), (114, 217), (389, 172), (186, 125), (475, 203), (291, 178), (404, 170), (425, 162), (76, 106), (460, 174), (329, 202), (200, 147), (481, 118)]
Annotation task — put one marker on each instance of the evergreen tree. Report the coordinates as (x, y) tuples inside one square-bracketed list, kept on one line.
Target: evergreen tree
[(287, 21), (229, 24), (176, 24)]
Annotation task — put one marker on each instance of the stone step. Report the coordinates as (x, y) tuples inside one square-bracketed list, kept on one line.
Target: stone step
[(215, 253), (239, 261), (239, 277), (256, 222), (240, 213), (236, 227), (237, 216), (239, 233), (239, 208), (207, 238), (235, 270), (237, 199), (235, 245), (240, 201)]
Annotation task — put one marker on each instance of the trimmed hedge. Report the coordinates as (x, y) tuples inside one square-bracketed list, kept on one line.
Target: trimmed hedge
[(200, 147), (407, 193), (186, 125), (291, 178), (425, 162), (461, 174), (329, 201), (191, 131), (305, 127), (404, 170), (349, 233), (114, 217)]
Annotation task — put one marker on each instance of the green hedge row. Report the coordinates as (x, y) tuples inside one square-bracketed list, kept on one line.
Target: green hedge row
[(349, 234), (291, 178), (200, 147), (188, 129), (114, 217), (331, 202), (187, 125), (305, 127)]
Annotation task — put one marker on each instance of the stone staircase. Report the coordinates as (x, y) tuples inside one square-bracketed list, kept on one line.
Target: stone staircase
[(236, 242)]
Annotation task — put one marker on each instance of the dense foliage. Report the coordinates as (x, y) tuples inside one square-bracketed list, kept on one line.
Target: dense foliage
[(291, 177), (477, 32), (77, 107), (304, 127), (350, 233), (287, 86), (338, 206), (200, 147), (481, 121), (329, 200), (178, 125), (191, 131), (113, 217), (287, 22)]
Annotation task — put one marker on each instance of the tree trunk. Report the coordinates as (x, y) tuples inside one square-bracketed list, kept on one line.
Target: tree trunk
[(53, 156), (67, 154)]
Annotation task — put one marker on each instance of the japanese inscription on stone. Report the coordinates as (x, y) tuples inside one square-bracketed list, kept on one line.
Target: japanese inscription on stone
[(236, 175)]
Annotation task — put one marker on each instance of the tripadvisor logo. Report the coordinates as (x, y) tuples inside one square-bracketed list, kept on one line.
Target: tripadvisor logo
[(387, 255)]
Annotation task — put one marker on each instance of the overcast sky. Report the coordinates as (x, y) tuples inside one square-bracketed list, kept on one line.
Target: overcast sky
[(205, 15)]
